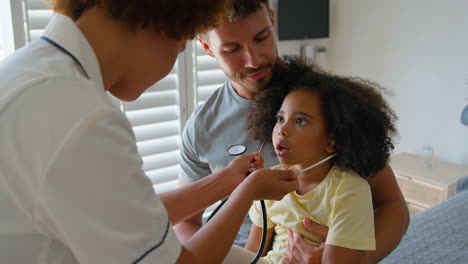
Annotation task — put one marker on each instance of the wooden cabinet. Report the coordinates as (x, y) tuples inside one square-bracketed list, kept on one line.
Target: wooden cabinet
[(425, 186)]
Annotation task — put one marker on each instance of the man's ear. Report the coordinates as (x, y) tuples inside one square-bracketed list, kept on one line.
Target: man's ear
[(272, 16), (206, 46)]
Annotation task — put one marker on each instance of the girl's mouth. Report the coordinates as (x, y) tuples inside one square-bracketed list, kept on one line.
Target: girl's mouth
[(281, 150)]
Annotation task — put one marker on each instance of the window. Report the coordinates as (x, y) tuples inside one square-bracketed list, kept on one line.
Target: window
[(156, 123), (37, 16), (6, 30), (209, 75), (158, 116)]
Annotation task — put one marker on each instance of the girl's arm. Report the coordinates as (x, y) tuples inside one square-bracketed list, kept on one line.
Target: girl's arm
[(255, 238), (338, 255)]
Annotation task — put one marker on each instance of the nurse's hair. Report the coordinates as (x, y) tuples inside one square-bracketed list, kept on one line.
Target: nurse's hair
[(358, 120), (179, 19)]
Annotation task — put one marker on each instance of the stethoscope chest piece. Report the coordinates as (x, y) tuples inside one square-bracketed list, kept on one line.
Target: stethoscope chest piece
[(236, 150)]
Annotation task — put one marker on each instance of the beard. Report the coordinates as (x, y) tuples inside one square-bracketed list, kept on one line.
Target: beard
[(258, 84)]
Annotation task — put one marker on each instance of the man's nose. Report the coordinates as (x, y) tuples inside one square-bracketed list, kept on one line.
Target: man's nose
[(251, 58)]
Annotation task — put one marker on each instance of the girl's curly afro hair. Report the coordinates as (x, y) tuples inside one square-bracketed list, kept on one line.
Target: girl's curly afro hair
[(357, 116)]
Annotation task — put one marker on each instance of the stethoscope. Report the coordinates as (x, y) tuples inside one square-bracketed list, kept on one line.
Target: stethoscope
[(236, 150), (239, 149)]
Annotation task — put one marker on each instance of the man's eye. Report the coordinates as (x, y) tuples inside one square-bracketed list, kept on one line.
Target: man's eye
[(230, 50), (263, 36)]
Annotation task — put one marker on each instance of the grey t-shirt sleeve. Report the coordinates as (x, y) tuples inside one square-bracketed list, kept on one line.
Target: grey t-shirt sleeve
[(191, 167)]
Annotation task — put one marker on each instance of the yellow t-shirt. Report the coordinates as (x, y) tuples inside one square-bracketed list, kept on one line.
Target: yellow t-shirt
[(342, 202)]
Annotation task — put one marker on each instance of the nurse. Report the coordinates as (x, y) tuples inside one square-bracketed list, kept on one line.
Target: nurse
[(72, 189)]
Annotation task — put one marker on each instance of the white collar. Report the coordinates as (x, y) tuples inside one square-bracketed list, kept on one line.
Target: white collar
[(63, 31)]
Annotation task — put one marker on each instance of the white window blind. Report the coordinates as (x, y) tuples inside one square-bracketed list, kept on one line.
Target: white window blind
[(38, 14), (155, 121), (209, 75), (7, 45)]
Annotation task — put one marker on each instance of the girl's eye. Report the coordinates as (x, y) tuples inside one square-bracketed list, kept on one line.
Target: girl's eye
[(279, 119), (301, 121)]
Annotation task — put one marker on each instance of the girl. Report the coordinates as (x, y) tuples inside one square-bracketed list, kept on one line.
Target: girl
[(310, 116)]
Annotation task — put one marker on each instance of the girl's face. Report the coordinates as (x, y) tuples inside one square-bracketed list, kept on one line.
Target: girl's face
[(299, 136)]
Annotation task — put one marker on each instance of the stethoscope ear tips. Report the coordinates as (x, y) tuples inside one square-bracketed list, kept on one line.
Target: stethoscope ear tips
[(236, 150)]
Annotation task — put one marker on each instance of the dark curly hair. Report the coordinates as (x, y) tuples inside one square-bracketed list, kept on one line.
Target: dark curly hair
[(179, 19), (358, 118)]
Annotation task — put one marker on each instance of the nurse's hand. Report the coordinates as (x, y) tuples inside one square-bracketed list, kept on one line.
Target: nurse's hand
[(238, 169), (268, 184), (258, 163)]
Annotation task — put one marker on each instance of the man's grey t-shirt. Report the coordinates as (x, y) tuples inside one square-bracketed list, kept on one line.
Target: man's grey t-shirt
[(213, 127)]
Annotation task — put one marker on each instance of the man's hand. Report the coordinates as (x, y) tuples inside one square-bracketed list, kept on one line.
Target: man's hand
[(301, 252)]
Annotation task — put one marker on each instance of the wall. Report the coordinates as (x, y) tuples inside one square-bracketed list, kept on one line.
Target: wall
[(417, 48)]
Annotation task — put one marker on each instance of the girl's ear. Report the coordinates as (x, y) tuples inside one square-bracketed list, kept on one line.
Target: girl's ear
[(331, 145)]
